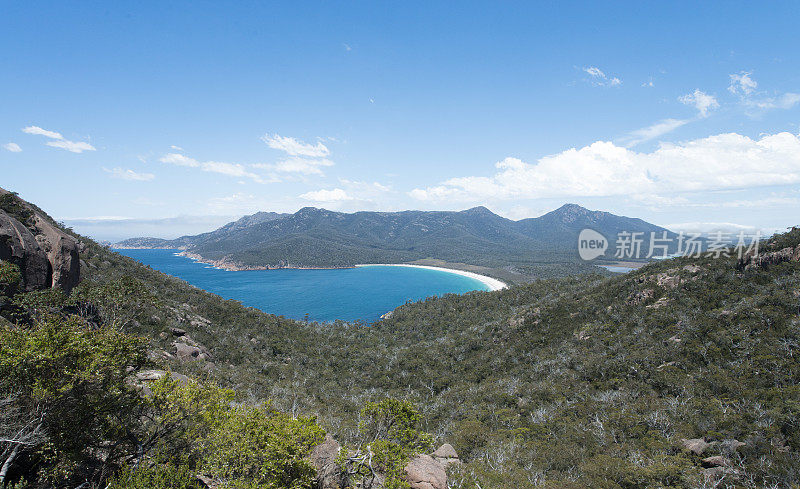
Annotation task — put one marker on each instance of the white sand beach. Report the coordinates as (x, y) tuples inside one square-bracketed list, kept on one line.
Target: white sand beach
[(490, 282)]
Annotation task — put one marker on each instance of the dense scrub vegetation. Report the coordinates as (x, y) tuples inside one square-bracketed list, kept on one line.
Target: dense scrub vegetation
[(563, 383)]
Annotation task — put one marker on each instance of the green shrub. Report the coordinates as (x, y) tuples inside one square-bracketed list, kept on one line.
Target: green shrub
[(10, 278), (154, 476)]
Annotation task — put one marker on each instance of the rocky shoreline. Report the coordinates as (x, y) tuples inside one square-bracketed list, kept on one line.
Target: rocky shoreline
[(231, 266)]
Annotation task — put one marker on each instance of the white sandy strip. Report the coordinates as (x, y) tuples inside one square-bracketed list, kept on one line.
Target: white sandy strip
[(490, 282)]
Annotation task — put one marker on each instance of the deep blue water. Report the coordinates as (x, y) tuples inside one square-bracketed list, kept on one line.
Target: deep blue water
[(363, 293)]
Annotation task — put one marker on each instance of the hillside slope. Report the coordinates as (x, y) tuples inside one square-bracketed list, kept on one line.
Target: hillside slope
[(578, 382), (581, 382)]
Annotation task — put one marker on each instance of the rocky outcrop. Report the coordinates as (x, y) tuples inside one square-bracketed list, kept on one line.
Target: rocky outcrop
[(142, 380), (46, 255), (323, 458), (752, 260), (446, 455), (421, 472), (20, 247), (695, 445), (425, 472), (62, 253)]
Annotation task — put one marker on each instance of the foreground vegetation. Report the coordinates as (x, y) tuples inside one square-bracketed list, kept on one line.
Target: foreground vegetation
[(564, 383)]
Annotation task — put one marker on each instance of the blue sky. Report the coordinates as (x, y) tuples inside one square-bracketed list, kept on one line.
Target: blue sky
[(166, 118)]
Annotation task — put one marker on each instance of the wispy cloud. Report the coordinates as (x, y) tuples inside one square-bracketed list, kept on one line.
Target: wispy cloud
[(654, 131), (757, 101), (180, 160), (130, 175), (301, 158), (58, 140), (38, 131), (229, 169), (244, 203), (598, 77), (304, 166), (71, 146), (785, 101), (323, 195), (13, 147), (742, 84), (294, 147), (703, 102)]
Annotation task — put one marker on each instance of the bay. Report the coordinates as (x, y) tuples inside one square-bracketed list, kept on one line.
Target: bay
[(349, 294)]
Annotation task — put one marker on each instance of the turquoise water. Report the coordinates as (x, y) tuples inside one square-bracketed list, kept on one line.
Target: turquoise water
[(363, 293), (617, 269)]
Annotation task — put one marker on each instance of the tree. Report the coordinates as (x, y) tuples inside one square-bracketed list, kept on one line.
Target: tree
[(63, 382), (390, 437)]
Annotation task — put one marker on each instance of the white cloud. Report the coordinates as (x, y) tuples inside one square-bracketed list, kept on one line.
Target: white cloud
[(229, 169), (724, 161), (785, 101), (176, 148), (365, 187), (72, 146), (305, 166), (13, 147), (599, 78), (742, 84), (713, 227), (759, 101), (243, 203), (293, 147), (657, 130), (335, 195), (130, 175), (38, 131), (58, 140), (179, 159), (701, 101), (302, 158)]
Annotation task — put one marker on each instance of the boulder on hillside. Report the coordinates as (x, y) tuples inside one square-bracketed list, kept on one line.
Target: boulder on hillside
[(62, 252), (446, 455), (716, 461), (142, 380), (26, 242), (323, 458), (19, 246), (695, 445), (425, 472)]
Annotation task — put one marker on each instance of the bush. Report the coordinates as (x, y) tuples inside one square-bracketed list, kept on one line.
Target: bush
[(154, 476)]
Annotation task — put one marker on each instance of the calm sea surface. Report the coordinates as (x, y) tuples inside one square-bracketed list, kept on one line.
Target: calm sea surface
[(325, 295)]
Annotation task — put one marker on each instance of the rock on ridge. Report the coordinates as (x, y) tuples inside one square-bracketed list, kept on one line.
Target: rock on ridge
[(20, 247), (46, 255)]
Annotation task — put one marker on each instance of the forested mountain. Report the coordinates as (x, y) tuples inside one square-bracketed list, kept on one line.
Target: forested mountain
[(315, 237), (682, 374)]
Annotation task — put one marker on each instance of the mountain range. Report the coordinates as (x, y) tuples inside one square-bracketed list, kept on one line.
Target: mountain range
[(313, 237)]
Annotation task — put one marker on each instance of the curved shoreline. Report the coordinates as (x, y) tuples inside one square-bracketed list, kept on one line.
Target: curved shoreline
[(490, 282)]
